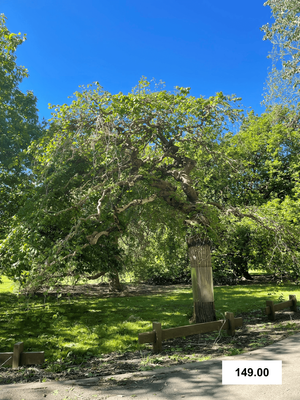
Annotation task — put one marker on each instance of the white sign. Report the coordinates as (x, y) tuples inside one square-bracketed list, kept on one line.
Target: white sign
[(244, 372)]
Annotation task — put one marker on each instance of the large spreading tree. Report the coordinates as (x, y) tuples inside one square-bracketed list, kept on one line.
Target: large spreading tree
[(114, 167), (105, 155)]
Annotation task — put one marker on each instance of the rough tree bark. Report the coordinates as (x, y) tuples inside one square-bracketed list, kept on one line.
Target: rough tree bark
[(202, 279)]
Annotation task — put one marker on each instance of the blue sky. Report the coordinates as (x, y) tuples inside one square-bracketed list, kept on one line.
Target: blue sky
[(207, 45)]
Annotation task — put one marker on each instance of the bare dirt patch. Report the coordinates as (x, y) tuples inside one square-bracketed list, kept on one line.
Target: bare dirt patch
[(103, 290)]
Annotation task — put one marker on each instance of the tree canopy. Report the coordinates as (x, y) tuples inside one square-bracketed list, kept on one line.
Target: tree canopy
[(105, 156)]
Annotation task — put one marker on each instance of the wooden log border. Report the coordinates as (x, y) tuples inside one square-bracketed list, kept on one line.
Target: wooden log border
[(272, 308), (18, 358), (158, 334)]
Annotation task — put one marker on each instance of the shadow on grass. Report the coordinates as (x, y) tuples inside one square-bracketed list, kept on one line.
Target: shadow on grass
[(84, 325), (80, 327)]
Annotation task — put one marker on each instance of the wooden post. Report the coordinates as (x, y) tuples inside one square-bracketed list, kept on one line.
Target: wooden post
[(231, 325), (18, 349), (294, 306), (271, 315), (157, 345)]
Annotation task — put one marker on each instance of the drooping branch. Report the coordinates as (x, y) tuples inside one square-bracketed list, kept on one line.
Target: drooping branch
[(94, 237), (136, 202), (96, 276)]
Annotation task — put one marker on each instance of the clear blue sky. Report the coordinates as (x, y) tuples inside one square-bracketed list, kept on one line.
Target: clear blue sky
[(208, 45)]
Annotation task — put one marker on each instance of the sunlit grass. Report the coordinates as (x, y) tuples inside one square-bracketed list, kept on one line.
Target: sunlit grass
[(258, 272), (72, 329), (7, 286), (243, 298), (83, 324), (126, 277)]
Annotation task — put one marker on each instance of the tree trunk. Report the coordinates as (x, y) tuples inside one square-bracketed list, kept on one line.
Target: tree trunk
[(202, 280), (115, 283), (114, 279)]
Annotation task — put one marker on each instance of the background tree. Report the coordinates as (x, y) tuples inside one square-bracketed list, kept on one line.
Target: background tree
[(19, 125), (267, 151), (284, 34)]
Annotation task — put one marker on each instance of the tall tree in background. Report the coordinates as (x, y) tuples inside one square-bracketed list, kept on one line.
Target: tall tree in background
[(284, 78), (268, 147), (19, 125), (267, 150)]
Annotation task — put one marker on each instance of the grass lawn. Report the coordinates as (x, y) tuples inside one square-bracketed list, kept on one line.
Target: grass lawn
[(81, 327)]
